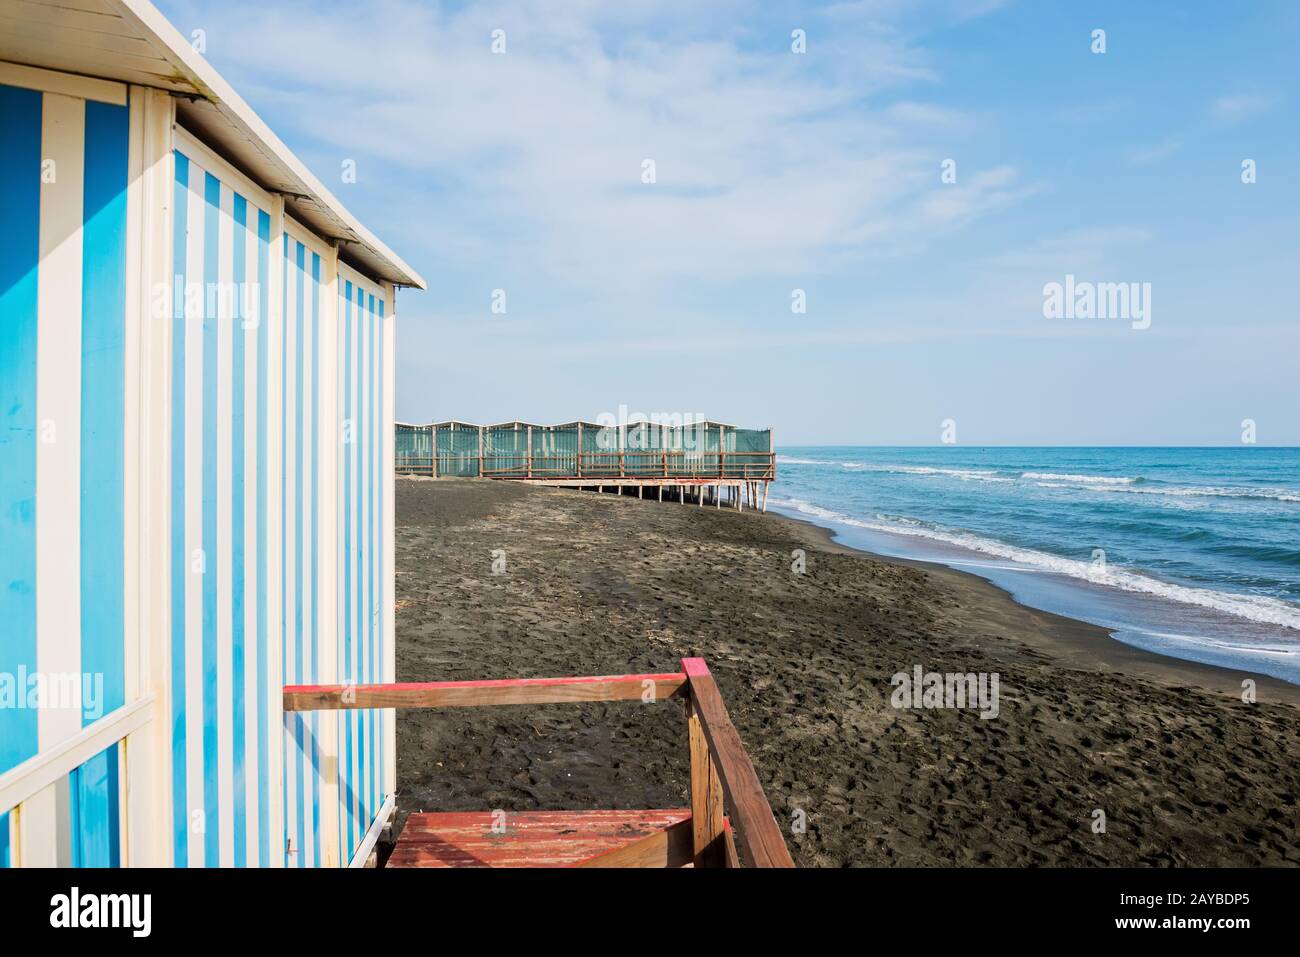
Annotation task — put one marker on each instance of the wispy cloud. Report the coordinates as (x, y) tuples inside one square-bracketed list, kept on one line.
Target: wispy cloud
[(1145, 155), (766, 162), (1241, 106)]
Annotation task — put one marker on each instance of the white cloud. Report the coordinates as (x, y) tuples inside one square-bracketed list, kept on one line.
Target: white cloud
[(1234, 109), (1147, 155), (768, 163)]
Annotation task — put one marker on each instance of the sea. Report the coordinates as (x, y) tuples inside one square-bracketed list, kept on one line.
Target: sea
[(1192, 553)]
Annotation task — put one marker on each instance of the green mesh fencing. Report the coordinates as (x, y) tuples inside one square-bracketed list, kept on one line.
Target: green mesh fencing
[(555, 451), (505, 450), (586, 450), (749, 453), (695, 449), (600, 451), (413, 448), (458, 449)]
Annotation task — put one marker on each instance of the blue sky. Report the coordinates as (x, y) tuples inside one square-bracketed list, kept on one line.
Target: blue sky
[(819, 171)]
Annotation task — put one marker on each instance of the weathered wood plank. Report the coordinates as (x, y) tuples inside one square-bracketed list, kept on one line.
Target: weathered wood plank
[(750, 812), (668, 847), (706, 796), (538, 838), (463, 694)]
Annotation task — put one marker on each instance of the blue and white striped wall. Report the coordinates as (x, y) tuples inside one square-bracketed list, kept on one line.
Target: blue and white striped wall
[(365, 736), (63, 541), (259, 473), (224, 643)]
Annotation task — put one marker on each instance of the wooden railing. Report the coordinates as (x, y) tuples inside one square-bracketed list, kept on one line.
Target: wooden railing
[(725, 790), (648, 464)]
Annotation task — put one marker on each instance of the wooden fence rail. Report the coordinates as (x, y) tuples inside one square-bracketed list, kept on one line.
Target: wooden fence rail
[(725, 790)]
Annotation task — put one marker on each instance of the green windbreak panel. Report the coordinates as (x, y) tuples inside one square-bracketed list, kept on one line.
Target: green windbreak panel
[(555, 451), (643, 450), (752, 448), (695, 450), (413, 446), (600, 451), (505, 450), (458, 450), (702, 450)]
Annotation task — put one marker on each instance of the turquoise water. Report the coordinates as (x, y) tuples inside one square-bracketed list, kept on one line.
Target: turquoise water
[(1193, 553)]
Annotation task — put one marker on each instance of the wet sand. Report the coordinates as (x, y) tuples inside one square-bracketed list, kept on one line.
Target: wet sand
[(1185, 772)]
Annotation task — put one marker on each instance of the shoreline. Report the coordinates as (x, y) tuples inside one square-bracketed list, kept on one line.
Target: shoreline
[(1185, 772), (1084, 644)]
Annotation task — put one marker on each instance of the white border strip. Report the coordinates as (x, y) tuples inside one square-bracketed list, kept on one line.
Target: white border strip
[(372, 836), (23, 782), (69, 84)]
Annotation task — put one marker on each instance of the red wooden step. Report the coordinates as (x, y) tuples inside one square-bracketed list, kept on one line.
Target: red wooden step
[(526, 839)]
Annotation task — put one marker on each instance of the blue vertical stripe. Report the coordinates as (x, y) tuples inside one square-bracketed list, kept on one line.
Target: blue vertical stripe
[(103, 399), (95, 815), (211, 766), (283, 630), (300, 736), (239, 276), (363, 612), (381, 554), (349, 507), (263, 484), (180, 561), (315, 541), (95, 821), (20, 185), (373, 565), (6, 858)]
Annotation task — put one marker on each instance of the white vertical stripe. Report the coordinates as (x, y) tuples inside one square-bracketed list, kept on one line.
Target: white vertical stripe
[(58, 453), (195, 303), (252, 320), (363, 567), (153, 812), (327, 661), (390, 602), (134, 780), (58, 410), (354, 776), (224, 543), (274, 567), (308, 503), (293, 676)]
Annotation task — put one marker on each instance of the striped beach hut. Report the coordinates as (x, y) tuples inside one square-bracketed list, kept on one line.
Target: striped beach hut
[(196, 448)]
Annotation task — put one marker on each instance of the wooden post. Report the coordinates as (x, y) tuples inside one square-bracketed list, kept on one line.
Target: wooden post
[(751, 814), (480, 451), (433, 449), (579, 453), (706, 796), (530, 451)]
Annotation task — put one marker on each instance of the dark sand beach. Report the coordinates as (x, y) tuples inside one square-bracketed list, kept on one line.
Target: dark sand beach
[(1185, 772)]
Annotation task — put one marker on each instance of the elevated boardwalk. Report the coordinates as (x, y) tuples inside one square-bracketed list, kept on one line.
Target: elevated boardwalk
[(702, 463)]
